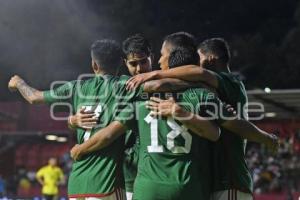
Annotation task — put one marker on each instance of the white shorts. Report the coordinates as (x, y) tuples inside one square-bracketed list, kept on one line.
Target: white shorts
[(231, 194), (119, 194), (129, 195)]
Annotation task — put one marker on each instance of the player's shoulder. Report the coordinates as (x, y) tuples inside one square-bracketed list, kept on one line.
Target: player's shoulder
[(119, 82), (116, 79), (67, 84), (58, 169), (106, 79), (44, 168), (122, 79), (229, 77), (232, 81)]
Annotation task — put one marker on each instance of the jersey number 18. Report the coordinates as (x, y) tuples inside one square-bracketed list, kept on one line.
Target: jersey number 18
[(176, 130)]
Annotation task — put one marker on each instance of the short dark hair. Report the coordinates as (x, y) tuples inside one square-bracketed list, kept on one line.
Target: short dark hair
[(216, 46), (107, 54), (181, 39), (136, 44), (183, 56)]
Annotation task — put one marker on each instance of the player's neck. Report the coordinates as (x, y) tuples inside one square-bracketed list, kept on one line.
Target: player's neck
[(222, 68), (103, 73)]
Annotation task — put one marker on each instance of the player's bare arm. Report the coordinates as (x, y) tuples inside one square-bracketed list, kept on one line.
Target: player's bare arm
[(193, 73), (199, 125), (249, 131), (82, 119), (241, 127), (99, 140), (33, 96), (169, 84)]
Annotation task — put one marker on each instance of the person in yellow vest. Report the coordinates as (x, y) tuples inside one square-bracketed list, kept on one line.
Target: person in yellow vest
[(50, 176)]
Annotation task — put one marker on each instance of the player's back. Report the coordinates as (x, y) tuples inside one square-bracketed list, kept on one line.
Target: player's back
[(100, 172), (169, 155), (104, 95)]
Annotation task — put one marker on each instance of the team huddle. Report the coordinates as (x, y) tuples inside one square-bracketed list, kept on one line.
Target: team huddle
[(178, 133)]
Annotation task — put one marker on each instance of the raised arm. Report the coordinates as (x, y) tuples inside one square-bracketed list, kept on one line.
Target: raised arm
[(99, 140), (169, 84), (249, 131), (33, 96), (241, 127), (191, 73)]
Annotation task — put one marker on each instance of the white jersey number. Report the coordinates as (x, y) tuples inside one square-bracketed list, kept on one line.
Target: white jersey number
[(97, 111), (175, 132)]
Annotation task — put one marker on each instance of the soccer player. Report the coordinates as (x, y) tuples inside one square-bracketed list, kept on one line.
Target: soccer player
[(100, 142), (138, 54), (50, 176), (234, 179), (114, 129), (195, 73), (97, 175), (138, 59), (167, 168)]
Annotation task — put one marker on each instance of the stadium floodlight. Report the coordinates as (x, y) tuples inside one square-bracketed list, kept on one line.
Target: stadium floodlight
[(267, 90), (270, 114), (51, 137), (61, 139)]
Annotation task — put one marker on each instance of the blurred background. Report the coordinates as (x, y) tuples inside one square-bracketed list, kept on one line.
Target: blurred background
[(43, 41)]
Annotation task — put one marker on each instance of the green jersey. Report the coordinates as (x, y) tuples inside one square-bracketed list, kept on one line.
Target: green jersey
[(99, 173), (230, 168), (130, 158), (168, 166)]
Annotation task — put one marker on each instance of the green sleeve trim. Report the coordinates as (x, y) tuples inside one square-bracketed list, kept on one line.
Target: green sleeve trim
[(47, 96), (141, 89)]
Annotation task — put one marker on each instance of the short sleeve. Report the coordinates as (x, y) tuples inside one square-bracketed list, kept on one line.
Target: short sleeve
[(40, 173), (226, 84), (62, 93), (232, 91), (128, 95), (127, 117), (61, 174), (206, 104)]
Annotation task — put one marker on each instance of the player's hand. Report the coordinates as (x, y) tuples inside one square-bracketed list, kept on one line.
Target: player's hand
[(139, 79), (164, 108), (13, 82), (83, 119), (76, 152), (273, 144)]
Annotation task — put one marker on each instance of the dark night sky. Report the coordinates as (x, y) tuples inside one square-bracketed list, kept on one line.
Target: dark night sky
[(49, 40)]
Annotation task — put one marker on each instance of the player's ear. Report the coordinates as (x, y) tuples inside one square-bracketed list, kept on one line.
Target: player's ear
[(152, 57), (210, 58), (125, 61), (95, 67)]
